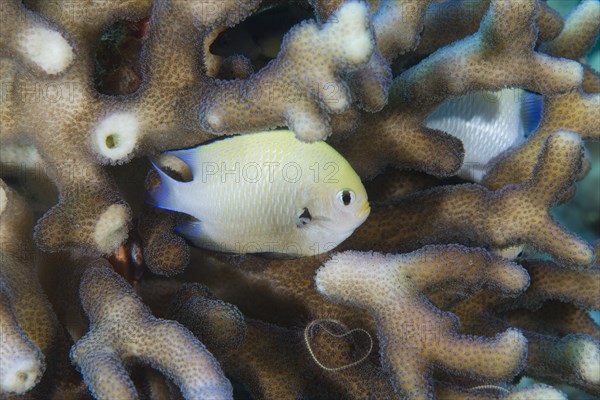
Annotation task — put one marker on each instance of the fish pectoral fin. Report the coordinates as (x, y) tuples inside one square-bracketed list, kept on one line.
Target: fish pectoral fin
[(191, 230), (304, 218)]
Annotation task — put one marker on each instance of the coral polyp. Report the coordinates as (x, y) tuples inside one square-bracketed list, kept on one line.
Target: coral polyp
[(465, 281)]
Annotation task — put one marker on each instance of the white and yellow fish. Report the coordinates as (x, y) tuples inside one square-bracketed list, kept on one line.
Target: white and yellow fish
[(488, 123), (265, 192)]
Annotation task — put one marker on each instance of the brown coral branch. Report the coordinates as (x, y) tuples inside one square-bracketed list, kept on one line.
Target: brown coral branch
[(555, 318), (573, 359), (471, 214), (75, 129), (122, 330), (271, 361), (500, 54), (412, 333), (21, 361), (28, 326), (36, 43), (557, 351), (579, 34), (278, 95), (397, 25), (550, 281), (446, 22), (591, 80), (575, 111)]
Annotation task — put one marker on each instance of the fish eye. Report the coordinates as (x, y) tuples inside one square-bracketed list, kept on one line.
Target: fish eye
[(346, 197)]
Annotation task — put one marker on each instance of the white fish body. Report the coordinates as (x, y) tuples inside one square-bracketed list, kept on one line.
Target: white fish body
[(266, 193), (488, 123)]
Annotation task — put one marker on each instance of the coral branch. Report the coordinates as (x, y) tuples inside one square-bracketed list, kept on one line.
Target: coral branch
[(397, 26), (574, 359), (390, 287), (557, 351), (550, 281), (446, 22), (471, 214), (499, 55), (122, 329), (278, 95), (579, 34), (268, 359), (575, 111), (555, 318), (28, 326), (34, 41), (90, 213), (21, 361)]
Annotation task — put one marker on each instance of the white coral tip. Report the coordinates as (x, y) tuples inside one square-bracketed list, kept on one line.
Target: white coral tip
[(46, 48), (3, 200), (20, 374), (589, 365), (357, 43), (111, 228)]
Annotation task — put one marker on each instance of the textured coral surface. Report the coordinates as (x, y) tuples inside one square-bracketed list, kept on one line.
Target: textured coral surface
[(451, 289)]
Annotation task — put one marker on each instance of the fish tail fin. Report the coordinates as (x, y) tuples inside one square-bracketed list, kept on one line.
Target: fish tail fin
[(532, 108), (164, 195)]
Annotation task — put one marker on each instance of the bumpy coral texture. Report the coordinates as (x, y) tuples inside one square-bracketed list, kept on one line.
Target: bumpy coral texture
[(464, 317), (121, 329), (412, 334), (562, 341), (576, 111), (76, 130), (28, 324), (517, 214)]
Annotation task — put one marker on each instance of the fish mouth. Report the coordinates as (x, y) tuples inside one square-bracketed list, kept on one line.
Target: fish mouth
[(364, 212)]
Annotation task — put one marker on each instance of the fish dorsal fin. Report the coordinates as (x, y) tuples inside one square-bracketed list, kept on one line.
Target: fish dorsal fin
[(192, 157), (532, 108)]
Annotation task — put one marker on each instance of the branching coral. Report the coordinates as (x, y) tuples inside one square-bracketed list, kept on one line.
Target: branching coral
[(412, 333), (93, 130), (342, 44), (499, 55), (468, 214), (34, 41), (369, 74), (446, 22), (272, 363), (28, 325), (557, 351), (575, 111), (122, 330)]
